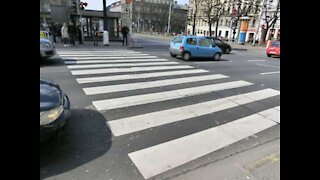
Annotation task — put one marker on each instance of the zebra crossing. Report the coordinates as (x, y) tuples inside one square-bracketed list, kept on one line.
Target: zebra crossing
[(101, 73)]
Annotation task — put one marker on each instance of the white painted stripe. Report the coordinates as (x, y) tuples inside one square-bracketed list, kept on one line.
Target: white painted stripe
[(154, 160), (139, 76), (113, 57), (133, 69), (93, 51), (113, 61), (266, 73), (272, 114), (101, 55), (120, 65), (140, 122), (108, 104), (150, 84), (265, 65), (256, 60)]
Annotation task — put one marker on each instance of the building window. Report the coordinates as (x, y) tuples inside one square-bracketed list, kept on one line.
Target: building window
[(227, 34), (219, 33)]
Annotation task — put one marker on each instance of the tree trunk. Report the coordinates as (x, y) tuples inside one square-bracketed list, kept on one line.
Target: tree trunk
[(210, 23), (194, 24), (216, 31), (263, 36)]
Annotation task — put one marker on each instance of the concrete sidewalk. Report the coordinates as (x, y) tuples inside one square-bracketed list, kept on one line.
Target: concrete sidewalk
[(132, 43), (261, 162)]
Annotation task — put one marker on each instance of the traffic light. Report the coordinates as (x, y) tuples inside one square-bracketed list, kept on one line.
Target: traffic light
[(74, 7), (82, 5)]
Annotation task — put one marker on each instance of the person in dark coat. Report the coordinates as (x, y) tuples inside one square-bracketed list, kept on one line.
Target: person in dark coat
[(79, 33), (71, 32), (125, 32)]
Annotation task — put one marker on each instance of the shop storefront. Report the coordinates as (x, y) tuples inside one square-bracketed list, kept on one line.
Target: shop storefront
[(91, 18)]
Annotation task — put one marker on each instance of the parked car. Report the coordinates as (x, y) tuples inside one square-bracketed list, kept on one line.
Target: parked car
[(194, 47), (225, 47), (54, 109), (273, 49), (47, 49)]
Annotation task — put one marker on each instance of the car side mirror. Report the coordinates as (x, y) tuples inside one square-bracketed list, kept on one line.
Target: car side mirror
[(212, 46)]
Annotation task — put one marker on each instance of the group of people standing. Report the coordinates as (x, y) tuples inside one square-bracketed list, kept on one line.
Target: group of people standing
[(68, 33)]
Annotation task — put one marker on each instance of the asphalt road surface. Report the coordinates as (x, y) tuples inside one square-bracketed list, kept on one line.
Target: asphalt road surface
[(141, 114)]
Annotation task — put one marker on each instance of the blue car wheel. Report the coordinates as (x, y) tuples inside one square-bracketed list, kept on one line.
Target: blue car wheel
[(217, 56)]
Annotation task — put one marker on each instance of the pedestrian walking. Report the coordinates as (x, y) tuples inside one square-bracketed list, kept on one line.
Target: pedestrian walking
[(65, 34), (125, 32), (79, 33), (95, 34), (71, 31), (55, 32)]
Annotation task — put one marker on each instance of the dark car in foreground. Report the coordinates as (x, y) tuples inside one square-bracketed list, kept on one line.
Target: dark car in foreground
[(225, 47), (54, 109)]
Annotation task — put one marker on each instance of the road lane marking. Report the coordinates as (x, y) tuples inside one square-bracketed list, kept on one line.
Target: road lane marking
[(121, 65), (154, 160), (112, 57), (101, 55), (256, 60), (94, 52), (140, 122), (139, 76), (266, 73), (150, 84), (108, 104), (272, 114), (267, 65), (68, 62), (133, 69)]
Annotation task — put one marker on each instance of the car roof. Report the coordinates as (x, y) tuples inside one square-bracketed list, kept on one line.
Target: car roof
[(192, 36)]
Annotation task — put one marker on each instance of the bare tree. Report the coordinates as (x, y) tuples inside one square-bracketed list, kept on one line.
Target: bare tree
[(212, 10), (195, 9), (270, 16), (242, 8)]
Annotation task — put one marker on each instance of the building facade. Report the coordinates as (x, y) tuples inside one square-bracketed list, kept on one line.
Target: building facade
[(274, 31), (226, 25), (179, 17), (61, 11), (153, 15)]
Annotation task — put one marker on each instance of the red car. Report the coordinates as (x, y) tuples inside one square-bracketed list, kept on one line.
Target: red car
[(273, 49)]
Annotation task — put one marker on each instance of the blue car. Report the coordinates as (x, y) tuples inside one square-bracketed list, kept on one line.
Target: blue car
[(194, 47)]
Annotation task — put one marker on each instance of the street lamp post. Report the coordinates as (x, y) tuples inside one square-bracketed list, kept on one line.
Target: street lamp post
[(169, 18), (105, 25)]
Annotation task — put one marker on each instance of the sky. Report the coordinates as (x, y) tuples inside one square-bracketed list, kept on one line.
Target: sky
[(97, 4)]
